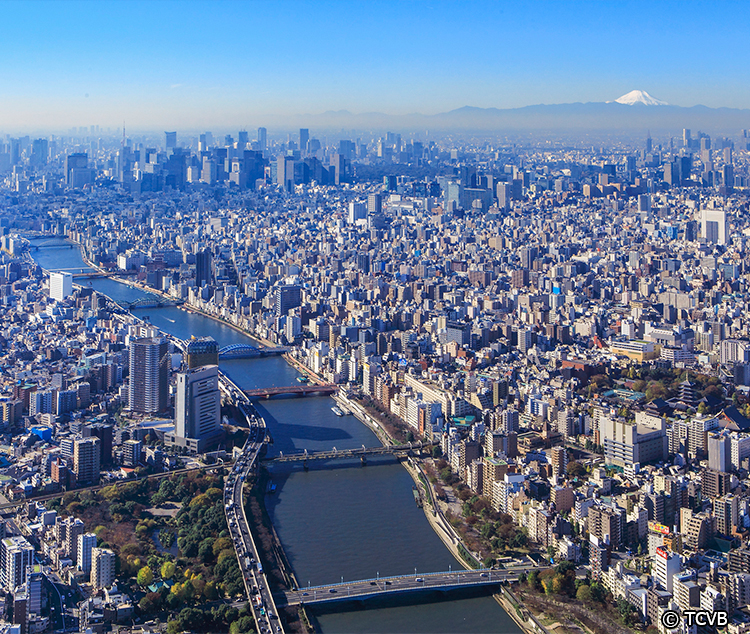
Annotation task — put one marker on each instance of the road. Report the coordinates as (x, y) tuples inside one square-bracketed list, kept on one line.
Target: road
[(256, 583)]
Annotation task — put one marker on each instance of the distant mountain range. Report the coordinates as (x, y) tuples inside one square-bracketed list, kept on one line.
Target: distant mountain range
[(635, 111)]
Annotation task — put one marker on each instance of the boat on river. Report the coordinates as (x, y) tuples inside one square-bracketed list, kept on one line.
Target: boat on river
[(337, 411)]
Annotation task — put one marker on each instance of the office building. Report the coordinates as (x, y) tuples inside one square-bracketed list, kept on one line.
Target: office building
[(148, 389), (60, 285), (203, 268), (714, 225), (288, 297), (171, 140), (202, 351), (304, 137), (86, 456), (102, 568), (16, 555), (197, 407), (262, 139)]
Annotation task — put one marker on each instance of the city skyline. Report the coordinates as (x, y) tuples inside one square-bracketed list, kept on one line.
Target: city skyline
[(156, 64)]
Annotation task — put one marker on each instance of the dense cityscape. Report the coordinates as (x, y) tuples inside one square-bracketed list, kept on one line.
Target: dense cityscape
[(552, 339)]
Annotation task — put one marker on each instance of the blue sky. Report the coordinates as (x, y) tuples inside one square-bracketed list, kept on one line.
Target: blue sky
[(198, 64)]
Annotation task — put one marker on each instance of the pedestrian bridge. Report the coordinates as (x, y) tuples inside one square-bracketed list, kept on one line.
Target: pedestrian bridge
[(360, 452), (246, 351), (381, 586)]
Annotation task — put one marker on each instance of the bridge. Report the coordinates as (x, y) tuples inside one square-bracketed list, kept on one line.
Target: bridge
[(246, 351), (148, 302), (417, 583), (360, 452), (294, 390)]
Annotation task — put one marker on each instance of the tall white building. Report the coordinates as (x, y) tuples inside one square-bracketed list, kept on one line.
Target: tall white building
[(102, 568), (60, 285), (666, 565), (714, 225), (197, 405), (86, 544), (16, 554)]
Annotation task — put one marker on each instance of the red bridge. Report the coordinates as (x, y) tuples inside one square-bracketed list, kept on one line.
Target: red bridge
[(296, 390)]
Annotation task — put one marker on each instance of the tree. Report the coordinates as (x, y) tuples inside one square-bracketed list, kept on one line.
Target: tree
[(575, 469), (584, 594), (145, 576), (167, 570)]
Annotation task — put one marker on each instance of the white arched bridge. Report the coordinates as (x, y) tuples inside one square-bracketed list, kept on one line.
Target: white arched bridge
[(247, 351)]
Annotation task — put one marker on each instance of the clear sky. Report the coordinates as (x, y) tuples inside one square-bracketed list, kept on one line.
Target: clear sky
[(196, 64)]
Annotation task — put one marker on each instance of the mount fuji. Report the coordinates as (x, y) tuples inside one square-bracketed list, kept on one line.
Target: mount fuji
[(639, 97)]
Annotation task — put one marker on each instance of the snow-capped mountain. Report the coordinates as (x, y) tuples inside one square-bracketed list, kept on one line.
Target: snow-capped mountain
[(640, 97)]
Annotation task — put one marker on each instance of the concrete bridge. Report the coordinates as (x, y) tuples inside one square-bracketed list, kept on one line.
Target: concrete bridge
[(246, 351), (295, 390), (360, 452), (380, 586)]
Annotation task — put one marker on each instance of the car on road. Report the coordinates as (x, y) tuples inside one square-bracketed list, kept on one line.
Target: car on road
[(387, 583), (419, 580), (484, 574), (373, 583), (332, 590)]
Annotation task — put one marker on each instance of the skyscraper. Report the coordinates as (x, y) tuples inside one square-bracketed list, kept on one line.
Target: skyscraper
[(304, 137), (171, 139), (149, 375), (197, 406), (262, 139), (203, 273), (60, 285)]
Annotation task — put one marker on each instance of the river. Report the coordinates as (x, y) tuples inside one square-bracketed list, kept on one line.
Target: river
[(338, 519)]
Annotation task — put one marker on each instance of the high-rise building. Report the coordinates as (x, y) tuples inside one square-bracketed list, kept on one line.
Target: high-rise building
[(202, 351), (86, 455), (16, 554), (86, 543), (77, 170), (666, 565), (60, 285), (288, 297), (171, 140), (102, 567), (262, 139), (203, 268), (105, 434), (304, 137), (714, 225), (374, 204), (149, 375), (197, 406)]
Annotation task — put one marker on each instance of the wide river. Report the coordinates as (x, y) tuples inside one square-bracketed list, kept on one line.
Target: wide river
[(337, 520)]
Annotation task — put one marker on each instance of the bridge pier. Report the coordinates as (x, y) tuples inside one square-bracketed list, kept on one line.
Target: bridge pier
[(363, 460)]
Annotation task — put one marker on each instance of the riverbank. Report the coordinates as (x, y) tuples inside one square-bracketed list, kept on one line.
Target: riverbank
[(523, 617)]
